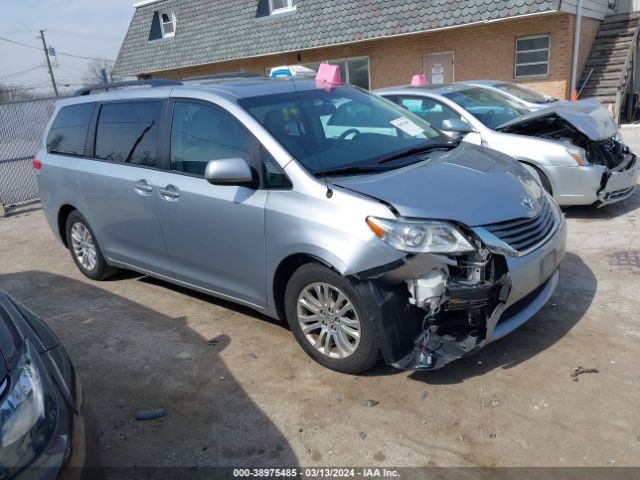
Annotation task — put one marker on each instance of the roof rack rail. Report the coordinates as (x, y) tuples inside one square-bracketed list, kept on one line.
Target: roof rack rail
[(225, 76), (134, 83)]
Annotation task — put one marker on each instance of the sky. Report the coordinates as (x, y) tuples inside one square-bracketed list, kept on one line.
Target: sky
[(87, 28)]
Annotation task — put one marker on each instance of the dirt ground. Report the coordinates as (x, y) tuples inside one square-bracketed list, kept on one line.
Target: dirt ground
[(239, 391)]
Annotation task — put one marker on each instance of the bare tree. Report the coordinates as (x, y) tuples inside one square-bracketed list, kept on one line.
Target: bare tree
[(94, 72), (10, 93)]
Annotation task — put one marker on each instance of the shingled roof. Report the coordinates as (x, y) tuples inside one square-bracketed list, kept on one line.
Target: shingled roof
[(210, 31)]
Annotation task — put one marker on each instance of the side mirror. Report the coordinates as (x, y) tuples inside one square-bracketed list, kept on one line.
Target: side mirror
[(229, 171), (456, 125)]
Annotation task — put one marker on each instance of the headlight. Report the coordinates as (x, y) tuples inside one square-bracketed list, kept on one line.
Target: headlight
[(26, 412), (578, 154), (419, 237)]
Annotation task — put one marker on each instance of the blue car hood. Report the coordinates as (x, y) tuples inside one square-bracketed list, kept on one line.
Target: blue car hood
[(469, 184)]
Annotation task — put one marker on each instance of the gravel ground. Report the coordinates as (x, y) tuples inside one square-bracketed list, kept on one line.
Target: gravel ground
[(239, 391)]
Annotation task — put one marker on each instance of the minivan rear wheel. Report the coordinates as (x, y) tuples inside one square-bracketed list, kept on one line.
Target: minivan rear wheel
[(329, 321), (85, 250)]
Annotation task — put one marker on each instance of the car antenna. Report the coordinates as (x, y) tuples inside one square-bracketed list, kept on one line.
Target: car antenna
[(295, 88)]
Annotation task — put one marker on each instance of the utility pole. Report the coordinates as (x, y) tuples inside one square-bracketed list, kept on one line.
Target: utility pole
[(46, 56), (103, 75)]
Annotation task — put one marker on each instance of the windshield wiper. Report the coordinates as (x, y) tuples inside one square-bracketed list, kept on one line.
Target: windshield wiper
[(349, 170), (422, 149)]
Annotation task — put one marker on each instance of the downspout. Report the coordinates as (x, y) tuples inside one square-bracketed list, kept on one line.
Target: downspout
[(576, 49)]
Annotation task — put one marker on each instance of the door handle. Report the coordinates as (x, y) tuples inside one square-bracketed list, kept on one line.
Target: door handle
[(142, 187), (170, 193)]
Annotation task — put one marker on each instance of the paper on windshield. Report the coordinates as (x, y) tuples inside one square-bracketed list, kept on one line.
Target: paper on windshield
[(407, 126)]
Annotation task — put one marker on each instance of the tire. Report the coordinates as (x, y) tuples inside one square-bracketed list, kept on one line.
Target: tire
[(85, 250), (334, 329)]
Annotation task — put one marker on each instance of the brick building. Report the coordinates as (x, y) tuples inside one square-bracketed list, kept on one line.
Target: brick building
[(378, 43)]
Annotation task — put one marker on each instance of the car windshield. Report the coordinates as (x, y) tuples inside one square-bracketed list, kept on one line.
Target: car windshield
[(345, 129), (525, 94), (489, 107)]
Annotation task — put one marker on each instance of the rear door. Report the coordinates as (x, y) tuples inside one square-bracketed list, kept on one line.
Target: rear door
[(439, 68), (214, 233), (119, 183)]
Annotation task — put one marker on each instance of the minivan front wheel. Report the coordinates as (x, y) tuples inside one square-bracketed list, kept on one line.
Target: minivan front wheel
[(328, 318), (85, 250)]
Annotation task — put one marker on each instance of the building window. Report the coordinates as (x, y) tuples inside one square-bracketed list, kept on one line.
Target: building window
[(354, 71), (168, 24), (280, 6), (532, 56)]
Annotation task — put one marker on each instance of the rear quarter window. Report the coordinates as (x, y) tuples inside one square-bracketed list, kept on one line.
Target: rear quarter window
[(68, 133), (128, 132)]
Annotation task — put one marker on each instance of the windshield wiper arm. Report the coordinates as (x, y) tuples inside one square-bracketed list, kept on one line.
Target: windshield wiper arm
[(423, 149), (349, 170)]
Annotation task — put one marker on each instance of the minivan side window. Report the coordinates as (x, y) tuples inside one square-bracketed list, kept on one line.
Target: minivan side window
[(200, 133), (68, 133), (128, 132)]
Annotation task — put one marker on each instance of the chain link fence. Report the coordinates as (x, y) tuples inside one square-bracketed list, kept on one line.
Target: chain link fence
[(22, 127)]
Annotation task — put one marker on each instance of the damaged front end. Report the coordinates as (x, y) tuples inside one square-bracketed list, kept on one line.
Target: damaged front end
[(450, 303), (621, 177), (616, 167)]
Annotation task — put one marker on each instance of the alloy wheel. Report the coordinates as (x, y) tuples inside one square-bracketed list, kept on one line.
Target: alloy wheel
[(83, 246), (328, 320)]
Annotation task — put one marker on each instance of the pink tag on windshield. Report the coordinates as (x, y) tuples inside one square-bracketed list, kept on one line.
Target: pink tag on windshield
[(419, 80), (328, 76)]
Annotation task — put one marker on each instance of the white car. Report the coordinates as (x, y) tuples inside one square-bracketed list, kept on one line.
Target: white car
[(530, 98), (574, 150)]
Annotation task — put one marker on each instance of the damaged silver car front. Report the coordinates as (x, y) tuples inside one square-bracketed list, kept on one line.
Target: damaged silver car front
[(441, 307), (607, 163)]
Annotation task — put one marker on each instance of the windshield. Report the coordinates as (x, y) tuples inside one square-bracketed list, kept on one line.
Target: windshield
[(343, 129), (489, 107), (525, 94)]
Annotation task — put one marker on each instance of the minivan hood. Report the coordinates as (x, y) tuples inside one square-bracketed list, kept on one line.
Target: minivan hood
[(469, 184), (587, 116)]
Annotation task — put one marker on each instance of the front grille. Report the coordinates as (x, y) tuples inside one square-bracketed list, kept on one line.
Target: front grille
[(524, 234)]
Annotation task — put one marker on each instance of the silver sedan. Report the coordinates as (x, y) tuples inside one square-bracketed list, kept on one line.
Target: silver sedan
[(574, 150), (530, 98)]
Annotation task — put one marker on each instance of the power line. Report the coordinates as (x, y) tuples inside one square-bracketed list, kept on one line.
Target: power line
[(85, 58), (73, 67), (70, 73), (19, 43), (57, 53), (18, 32), (89, 36), (20, 72)]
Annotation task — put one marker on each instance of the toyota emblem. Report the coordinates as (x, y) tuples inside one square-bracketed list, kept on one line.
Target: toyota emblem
[(529, 203)]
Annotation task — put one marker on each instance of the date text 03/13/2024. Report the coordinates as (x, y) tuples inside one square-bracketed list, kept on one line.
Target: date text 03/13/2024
[(317, 472)]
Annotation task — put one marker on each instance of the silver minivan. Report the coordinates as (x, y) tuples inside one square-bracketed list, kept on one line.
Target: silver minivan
[(369, 231)]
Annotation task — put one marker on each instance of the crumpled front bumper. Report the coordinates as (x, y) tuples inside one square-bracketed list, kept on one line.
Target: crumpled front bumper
[(594, 184), (619, 183), (410, 342)]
